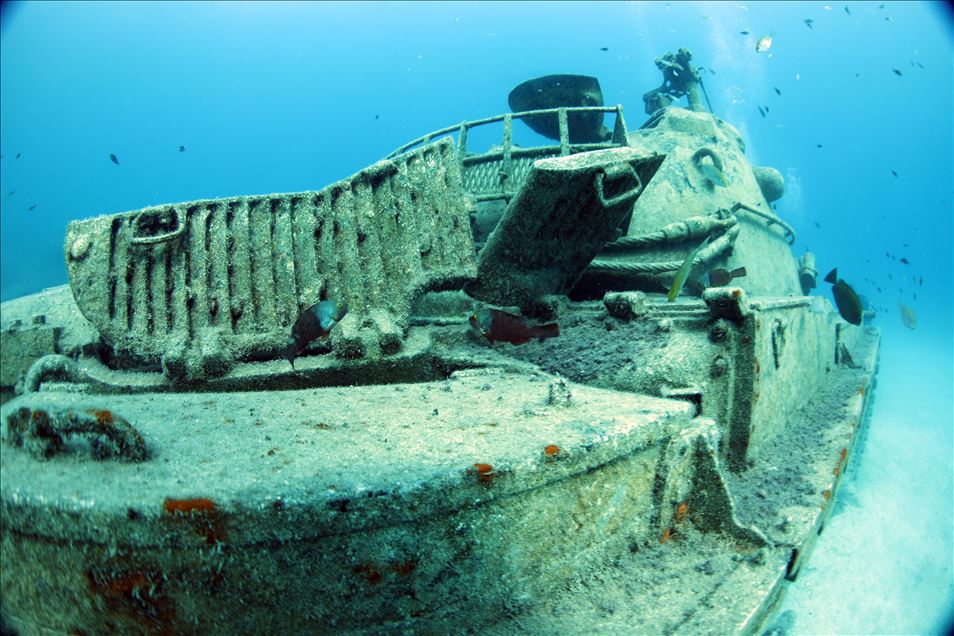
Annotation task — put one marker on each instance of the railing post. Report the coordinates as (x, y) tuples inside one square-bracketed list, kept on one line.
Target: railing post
[(620, 133), (506, 169), (564, 133), (462, 147)]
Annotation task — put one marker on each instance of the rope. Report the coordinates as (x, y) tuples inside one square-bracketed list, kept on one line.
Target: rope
[(711, 252), (694, 227), (603, 266)]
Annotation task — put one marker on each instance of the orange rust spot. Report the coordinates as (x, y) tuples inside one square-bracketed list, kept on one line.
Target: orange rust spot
[(736, 293), (404, 568), (127, 582), (844, 454), (485, 472), (837, 470), (103, 417), (134, 594), (202, 514), (667, 535), (758, 366), (681, 512), (826, 495), (551, 450), (861, 391), (369, 572), (185, 506)]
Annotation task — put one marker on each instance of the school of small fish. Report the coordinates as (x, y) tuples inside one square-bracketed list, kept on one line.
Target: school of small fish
[(317, 321)]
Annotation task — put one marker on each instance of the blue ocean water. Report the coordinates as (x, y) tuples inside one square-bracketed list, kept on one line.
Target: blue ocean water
[(272, 97)]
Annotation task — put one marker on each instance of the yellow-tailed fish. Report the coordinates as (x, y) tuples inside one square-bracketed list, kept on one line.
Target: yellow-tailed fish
[(682, 274)]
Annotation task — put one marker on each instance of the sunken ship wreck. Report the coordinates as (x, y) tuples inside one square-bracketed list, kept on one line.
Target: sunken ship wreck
[(437, 461)]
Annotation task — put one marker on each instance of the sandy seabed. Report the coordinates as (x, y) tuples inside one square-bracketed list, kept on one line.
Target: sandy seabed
[(885, 563)]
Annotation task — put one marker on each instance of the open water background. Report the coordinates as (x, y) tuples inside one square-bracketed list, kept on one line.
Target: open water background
[(287, 97)]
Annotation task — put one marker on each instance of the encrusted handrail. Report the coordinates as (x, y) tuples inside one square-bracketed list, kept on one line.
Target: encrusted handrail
[(498, 173), (770, 219), (620, 134)]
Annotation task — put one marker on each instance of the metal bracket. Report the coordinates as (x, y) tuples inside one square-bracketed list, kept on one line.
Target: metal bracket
[(175, 233), (613, 173)]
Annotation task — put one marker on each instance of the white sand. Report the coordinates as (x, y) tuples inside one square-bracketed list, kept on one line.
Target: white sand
[(885, 563)]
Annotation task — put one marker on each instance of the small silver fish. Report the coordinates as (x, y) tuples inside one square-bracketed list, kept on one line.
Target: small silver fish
[(713, 174), (908, 318), (764, 44)]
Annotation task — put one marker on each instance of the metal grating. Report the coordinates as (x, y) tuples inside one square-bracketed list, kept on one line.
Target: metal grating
[(246, 266), (484, 177), (500, 172)]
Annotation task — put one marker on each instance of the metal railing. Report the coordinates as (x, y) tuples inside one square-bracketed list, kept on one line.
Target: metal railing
[(512, 163)]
